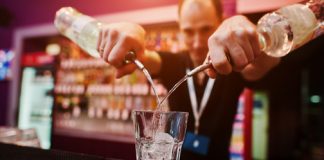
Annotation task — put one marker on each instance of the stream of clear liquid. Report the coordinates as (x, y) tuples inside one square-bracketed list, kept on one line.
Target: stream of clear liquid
[(155, 121), (160, 105), (149, 78), (189, 74), (158, 99), (156, 118)]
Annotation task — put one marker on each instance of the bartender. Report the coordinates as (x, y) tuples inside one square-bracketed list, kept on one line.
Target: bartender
[(232, 47)]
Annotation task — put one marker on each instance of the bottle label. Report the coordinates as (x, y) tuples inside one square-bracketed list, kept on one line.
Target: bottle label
[(303, 22), (80, 22), (313, 33)]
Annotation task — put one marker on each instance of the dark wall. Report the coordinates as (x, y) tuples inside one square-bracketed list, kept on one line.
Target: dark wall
[(4, 95), (289, 122)]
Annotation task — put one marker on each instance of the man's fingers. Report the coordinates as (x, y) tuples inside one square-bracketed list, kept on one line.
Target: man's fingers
[(254, 41), (126, 69), (211, 72), (241, 37), (103, 42), (109, 44), (218, 57), (100, 38)]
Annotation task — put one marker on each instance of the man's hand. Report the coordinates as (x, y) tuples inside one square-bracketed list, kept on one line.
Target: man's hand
[(116, 40), (234, 46)]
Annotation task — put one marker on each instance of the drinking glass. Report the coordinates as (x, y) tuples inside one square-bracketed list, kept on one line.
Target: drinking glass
[(159, 135)]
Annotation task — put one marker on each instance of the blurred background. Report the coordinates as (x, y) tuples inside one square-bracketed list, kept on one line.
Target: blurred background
[(75, 103)]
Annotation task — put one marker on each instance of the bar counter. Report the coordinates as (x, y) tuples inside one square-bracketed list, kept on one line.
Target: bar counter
[(14, 152)]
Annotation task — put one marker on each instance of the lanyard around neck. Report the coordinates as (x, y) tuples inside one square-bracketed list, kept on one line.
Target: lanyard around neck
[(193, 99)]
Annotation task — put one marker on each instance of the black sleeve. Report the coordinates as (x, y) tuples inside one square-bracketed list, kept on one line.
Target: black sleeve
[(172, 69)]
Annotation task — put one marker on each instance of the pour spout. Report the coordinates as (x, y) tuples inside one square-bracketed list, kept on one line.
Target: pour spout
[(199, 68), (131, 57)]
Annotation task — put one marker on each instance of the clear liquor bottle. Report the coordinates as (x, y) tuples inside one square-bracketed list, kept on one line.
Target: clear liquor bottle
[(81, 29), (290, 27)]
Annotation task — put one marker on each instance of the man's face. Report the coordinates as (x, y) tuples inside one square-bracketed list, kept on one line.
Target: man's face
[(197, 22)]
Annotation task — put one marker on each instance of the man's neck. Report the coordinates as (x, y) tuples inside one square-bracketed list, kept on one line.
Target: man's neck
[(200, 78)]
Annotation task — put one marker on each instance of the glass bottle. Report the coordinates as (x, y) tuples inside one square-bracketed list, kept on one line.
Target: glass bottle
[(290, 27), (81, 29)]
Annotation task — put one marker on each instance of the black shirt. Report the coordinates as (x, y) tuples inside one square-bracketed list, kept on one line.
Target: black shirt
[(217, 120)]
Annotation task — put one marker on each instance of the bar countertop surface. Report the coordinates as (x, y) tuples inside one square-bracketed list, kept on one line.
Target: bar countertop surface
[(15, 152)]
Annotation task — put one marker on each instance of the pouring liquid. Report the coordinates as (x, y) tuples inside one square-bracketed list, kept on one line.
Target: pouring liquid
[(156, 119)]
